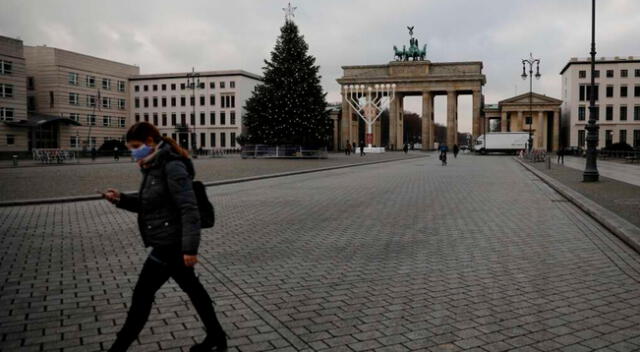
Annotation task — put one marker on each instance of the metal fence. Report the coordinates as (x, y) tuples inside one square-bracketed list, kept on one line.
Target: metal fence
[(278, 151), (49, 156)]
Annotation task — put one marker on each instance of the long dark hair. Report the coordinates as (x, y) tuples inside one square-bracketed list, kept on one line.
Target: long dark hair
[(140, 131)]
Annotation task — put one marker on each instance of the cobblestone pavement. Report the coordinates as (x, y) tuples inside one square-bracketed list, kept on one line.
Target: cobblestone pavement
[(617, 170), (479, 255), (76, 180)]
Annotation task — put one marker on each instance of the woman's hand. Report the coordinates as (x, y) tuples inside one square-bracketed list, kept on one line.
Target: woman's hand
[(112, 195), (190, 260)]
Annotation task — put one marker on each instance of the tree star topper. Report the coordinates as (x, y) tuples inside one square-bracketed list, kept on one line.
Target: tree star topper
[(288, 12)]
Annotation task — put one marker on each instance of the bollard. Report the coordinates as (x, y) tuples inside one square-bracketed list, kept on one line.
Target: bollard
[(548, 162), (15, 160)]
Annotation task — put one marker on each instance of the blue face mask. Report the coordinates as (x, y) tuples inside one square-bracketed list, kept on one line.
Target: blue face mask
[(141, 152)]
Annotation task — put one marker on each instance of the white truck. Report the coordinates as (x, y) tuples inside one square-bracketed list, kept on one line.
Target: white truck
[(503, 142)]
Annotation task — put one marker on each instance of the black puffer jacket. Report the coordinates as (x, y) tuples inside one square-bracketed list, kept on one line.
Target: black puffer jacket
[(166, 204)]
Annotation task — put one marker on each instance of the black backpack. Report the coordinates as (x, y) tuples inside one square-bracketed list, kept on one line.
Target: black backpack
[(207, 212)]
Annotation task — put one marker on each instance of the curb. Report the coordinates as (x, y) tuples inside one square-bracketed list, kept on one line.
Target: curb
[(12, 203), (624, 230)]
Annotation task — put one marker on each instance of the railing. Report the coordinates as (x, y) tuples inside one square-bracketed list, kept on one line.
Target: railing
[(218, 152), (48, 156), (618, 154), (286, 151), (535, 156)]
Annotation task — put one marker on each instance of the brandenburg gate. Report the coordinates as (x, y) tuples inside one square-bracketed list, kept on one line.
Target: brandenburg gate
[(414, 76)]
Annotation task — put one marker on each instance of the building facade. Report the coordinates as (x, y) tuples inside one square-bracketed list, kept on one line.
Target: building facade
[(13, 95), (526, 112), (206, 115), (84, 98), (617, 99)]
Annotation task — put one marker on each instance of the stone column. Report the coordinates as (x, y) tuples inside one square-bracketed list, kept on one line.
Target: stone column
[(503, 122), (519, 123), (556, 130), (427, 123), (540, 130), (477, 102), (336, 141), (399, 122), (452, 118), (393, 117), (345, 123)]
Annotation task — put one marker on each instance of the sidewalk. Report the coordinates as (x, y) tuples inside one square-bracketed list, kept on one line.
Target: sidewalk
[(629, 173)]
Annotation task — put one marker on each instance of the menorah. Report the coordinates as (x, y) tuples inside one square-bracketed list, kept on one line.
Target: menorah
[(369, 102)]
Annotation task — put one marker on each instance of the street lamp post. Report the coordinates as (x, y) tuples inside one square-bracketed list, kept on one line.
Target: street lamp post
[(531, 61), (193, 82), (590, 173)]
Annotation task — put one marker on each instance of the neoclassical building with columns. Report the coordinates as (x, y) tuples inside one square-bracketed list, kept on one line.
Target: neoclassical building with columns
[(512, 116), (413, 78)]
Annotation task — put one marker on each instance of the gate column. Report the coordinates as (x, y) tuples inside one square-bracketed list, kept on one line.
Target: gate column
[(477, 104), (427, 122), (452, 118)]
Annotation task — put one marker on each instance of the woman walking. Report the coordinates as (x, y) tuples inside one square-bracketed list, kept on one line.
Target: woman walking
[(169, 221)]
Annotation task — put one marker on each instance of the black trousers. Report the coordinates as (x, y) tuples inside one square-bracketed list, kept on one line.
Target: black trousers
[(162, 264)]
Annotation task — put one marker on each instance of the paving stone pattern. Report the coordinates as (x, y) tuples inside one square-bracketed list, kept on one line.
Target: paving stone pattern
[(403, 256)]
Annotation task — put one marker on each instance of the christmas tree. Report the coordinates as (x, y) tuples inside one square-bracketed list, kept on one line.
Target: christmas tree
[(289, 106)]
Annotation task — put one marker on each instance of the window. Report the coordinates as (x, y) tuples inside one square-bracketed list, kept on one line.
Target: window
[(582, 74), (182, 86), (73, 142), (31, 103), (51, 99), (637, 72), (623, 136), (232, 117), (6, 67), (146, 117), (164, 102), (202, 119), (145, 101), (122, 104), (623, 113), (212, 85), (74, 116), (155, 119), (223, 139), (608, 138), (91, 101), (192, 119), (183, 119), (121, 86), (636, 113), (155, 102), (74, 99), (6, 114), (137, 117), (201, 85), (123, 122), (203, 139), (609, 113), (155, 87), (222, 118), (212, 100), (146, 88), (624, 73), (581, 138), (636, 138), (73, 78), (91, 120), (609, 91), (11, 139), (596, 113), (106, 83), (202, 100), (232, 84), (221, 84), (233, 101), (163, 87), (609, 73), (173, 101), (173, 119), (106, 103), (233, 139), (91, 81), (173, 86), (164, 119), (31, 83), (136, 102), (585, 92), (6, 90), (105, 121), (636, 91), (212, 118), (136, 88), (213, 139), (183, 101), (596, 74), (623, 91), (192, 100)]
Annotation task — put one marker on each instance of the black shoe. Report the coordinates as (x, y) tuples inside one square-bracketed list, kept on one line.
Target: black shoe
[(210, 344)]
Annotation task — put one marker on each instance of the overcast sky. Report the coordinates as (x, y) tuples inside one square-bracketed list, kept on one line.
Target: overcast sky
[(169, 36)]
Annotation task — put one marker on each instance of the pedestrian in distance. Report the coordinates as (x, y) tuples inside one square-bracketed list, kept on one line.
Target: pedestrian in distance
[(169, 222), (443, 153), (347, 150), (406, 148), (116, 154), (354, 148), (362, 148), (456, 150), (94, 153), (560, 154)]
